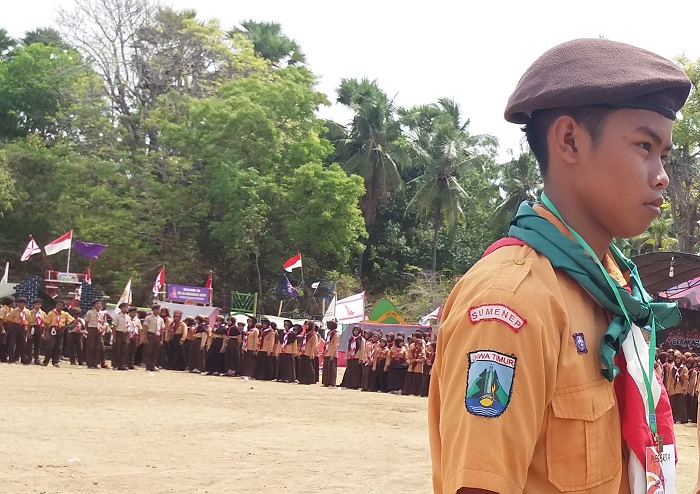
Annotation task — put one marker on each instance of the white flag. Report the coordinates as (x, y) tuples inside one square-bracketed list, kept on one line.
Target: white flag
[(32, 248), (351, 309), (330, 312), (126, 295), (425, 320), (7, 272)]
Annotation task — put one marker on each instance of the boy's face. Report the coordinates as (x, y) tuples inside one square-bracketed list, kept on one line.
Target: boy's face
[(37, 306), (621, 180)]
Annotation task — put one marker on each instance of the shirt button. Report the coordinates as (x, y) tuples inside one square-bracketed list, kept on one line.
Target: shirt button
[(519, 261)]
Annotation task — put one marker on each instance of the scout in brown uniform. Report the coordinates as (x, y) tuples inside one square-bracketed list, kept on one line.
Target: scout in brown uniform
[(57, 321), (416, 359), (153, 326), (288, 351), (352, 379), (36, 331), (162, 359), (308, 347), (330, 355), (233, 347), (367, 365), (76, 337), (251, 347), (266, 342), (396, 366), (95, 321), (521, 395), (381, 354), (215, 348), (427, 367), (8, 304), (120, 342), (135, 329), (17, 322), (677, 385), (277, 350), (178, 335), (199, 342)]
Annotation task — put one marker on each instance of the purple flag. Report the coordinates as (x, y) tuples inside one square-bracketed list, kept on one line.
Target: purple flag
[(88, 249), (291, 291)]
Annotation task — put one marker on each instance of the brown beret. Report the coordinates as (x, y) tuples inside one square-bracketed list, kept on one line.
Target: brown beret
[(598, 72)]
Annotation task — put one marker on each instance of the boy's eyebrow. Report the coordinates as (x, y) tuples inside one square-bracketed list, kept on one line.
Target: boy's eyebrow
[(651, 133)]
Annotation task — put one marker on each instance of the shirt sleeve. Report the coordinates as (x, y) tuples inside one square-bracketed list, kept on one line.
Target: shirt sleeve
[(492, 381)]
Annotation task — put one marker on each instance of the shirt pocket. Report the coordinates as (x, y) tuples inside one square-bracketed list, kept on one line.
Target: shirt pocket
[(582, 439)]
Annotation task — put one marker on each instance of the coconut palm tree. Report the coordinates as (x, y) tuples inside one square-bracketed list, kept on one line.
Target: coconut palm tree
[(519, 180), (370, 147), (270, 42), (442, 149)]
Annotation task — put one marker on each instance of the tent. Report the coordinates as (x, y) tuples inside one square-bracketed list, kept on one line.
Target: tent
[(660, 271)]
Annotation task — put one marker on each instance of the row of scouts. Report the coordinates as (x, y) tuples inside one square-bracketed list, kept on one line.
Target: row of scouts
[(252, 350), (680, 375)]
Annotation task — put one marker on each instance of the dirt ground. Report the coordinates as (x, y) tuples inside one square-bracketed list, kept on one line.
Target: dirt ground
[(74, 430)]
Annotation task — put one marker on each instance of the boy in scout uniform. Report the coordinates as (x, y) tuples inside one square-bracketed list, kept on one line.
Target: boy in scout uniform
[(521, 397), (8, 304), (36, 330), (17, 322), (55, 332)]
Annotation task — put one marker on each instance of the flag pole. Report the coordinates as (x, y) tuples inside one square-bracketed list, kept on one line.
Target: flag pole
[(31, 237), (70, 246)]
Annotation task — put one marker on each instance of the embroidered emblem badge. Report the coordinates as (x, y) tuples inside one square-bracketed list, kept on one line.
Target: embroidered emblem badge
[(580, 343), (489, 383), (497, 312)]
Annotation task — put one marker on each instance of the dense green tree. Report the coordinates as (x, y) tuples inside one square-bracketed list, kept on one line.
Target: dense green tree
[(683, 166)]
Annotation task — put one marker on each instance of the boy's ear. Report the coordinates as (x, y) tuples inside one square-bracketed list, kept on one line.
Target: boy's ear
[(564, 138)]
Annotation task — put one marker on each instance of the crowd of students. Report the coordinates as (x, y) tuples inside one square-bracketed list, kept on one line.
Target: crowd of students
[(252, 349), (680, 374)]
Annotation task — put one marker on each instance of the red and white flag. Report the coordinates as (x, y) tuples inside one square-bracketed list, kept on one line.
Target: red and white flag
[(634, 408), (88, 277), (61, 243), (32, 248), (160, 282), (292, 263), (210, 280)]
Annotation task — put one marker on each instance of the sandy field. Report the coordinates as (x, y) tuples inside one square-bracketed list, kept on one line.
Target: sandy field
[(74, 430)]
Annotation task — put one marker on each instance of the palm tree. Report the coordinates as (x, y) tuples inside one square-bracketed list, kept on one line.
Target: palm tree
[(370, 147), (270, 42), (519, 180), (443, 148)]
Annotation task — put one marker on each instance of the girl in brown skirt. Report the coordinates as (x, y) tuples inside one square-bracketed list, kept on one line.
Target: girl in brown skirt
[(250, 347), (287, 371), (352, 379), (416, 358), (330, 355), (233, 348), (367, 364), (308, 348), (396, 367), (427, 368), (196, 364), (380, 355)]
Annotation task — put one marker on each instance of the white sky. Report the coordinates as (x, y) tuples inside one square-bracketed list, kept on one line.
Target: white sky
[(418, 52)]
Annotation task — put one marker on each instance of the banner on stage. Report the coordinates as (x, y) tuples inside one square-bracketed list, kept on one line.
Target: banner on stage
[(182, 293)]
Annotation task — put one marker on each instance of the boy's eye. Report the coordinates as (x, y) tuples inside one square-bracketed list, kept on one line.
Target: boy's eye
[(645, 145)]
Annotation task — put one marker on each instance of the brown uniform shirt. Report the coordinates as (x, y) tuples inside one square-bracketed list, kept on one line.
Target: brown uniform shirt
[(331, 349), (15, 318), (53, 319), (311, 346), (33, 318), (416, 358), (252, 341), (508, 335), (268, 341)]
